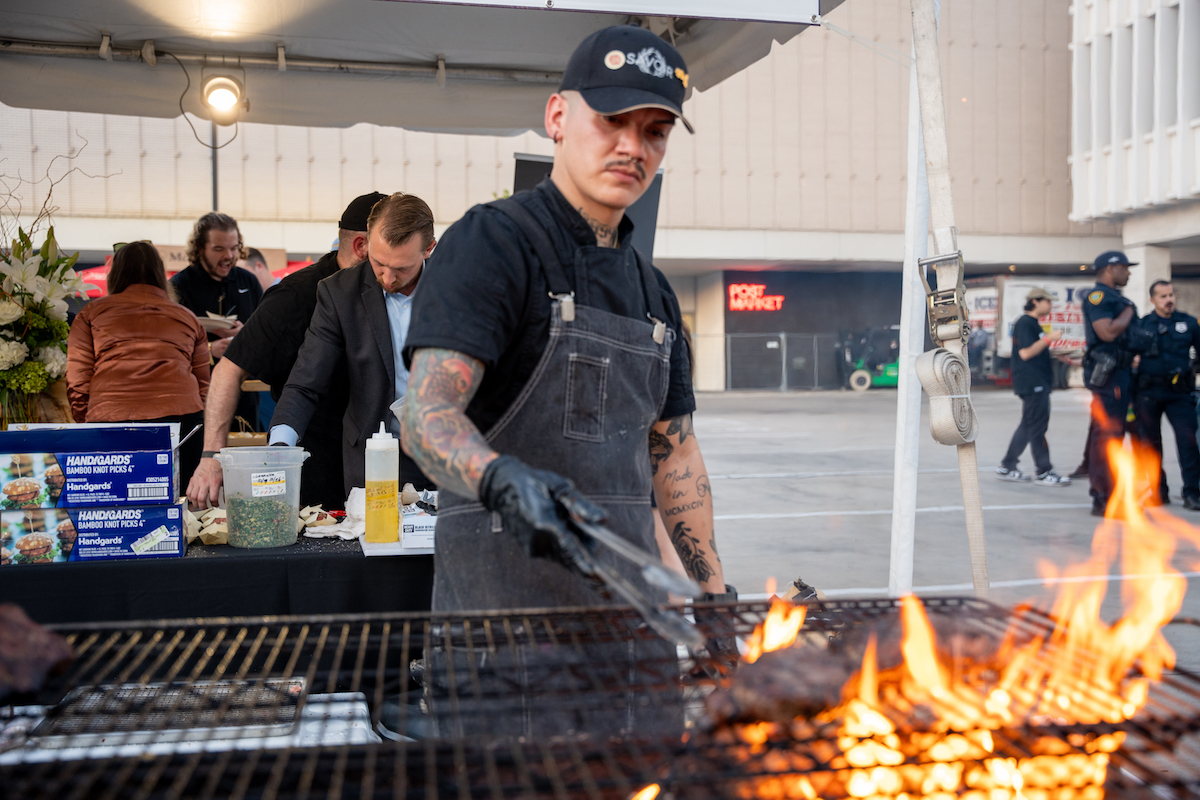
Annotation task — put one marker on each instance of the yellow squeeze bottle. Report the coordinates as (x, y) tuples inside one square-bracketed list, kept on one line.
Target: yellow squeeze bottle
[(383, 487)]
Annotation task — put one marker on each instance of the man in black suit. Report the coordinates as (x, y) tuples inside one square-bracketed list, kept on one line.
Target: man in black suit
[(361, 323)]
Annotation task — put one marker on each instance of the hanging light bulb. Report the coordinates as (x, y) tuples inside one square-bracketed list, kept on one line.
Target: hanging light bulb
[(224, 98)]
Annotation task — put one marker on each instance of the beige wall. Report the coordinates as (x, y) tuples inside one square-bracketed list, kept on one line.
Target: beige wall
[(812, 138)]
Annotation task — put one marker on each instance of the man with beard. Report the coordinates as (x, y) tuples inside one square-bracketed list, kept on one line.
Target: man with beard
[(360, 324), (213, 282)]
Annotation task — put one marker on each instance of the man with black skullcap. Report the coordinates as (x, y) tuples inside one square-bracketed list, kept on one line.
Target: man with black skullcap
[(267, 349), (549, 375)]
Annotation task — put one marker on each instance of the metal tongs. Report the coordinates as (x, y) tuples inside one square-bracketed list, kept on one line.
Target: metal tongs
[(667, 624)]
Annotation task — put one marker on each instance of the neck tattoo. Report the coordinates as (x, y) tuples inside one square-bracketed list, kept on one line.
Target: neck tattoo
[(606, 235)]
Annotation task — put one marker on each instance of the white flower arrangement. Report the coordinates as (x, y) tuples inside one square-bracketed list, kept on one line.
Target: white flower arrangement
[(34, 286)]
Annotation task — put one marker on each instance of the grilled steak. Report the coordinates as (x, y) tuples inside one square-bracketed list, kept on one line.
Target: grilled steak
[(783, 685), (28, 652)]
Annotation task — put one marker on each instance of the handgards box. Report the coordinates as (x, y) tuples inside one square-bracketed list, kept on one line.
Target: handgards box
[(45, 536), (81, 467)]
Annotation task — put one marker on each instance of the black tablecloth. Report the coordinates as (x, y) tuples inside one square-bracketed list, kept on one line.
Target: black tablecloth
[(314, 576)]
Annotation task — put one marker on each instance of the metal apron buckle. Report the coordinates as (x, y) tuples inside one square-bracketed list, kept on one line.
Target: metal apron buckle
[(566, 304), (660, 329)]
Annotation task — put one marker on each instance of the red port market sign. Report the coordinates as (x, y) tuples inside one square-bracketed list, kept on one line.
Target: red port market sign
[(753, 297)]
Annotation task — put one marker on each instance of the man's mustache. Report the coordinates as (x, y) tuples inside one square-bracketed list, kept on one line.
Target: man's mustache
[(628, 162)]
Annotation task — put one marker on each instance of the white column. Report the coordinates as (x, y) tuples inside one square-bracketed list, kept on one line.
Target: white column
[(710, 332), (1153, 264)]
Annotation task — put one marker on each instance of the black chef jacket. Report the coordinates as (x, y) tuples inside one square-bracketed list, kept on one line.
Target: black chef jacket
[(1176, 336), (1027, 376), (198, 292), (484, 294), (267, 348)]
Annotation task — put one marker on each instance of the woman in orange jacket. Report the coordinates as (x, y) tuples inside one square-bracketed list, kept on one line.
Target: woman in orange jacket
[(138, 356)]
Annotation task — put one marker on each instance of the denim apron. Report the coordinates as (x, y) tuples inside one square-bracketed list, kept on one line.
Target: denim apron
[(585, 413)]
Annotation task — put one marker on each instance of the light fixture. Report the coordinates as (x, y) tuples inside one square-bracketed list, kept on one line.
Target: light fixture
[(224, 97)]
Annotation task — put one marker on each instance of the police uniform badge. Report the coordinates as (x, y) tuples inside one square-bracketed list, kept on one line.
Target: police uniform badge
[(1095, 297), (1181, 327)]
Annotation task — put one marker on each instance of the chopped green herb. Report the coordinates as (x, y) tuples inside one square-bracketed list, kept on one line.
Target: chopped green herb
[(260, 522)]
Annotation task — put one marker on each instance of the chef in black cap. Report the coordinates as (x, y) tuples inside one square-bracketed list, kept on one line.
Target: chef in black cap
[(266, 349), (549, 374)]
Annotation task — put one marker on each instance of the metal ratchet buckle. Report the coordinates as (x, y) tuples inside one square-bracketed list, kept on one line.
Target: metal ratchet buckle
[(945, 306)]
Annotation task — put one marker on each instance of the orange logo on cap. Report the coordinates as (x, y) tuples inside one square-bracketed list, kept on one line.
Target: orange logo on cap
[(683, 76), (615, 59)]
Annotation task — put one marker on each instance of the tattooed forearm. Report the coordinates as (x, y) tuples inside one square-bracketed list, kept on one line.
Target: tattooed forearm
[(681, 427), (660, 450), (606, 235), (682, 489), (435, 430), (690, 554)]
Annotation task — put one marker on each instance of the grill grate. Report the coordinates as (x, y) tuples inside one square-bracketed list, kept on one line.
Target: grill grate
[(489, 677)]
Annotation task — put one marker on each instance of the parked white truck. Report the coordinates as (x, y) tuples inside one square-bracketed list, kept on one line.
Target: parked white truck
[(994, 304)]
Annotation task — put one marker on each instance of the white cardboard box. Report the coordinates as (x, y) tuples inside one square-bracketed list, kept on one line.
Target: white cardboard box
[(417, 529)]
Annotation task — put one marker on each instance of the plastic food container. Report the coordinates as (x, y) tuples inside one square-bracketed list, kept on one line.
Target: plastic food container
[(262, 494)]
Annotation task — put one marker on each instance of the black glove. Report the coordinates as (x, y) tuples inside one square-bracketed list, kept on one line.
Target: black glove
[(536, 506), (722, 640)]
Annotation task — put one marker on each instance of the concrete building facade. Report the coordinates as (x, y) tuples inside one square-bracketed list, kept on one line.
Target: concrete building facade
[(1135, 140), (797, 167)]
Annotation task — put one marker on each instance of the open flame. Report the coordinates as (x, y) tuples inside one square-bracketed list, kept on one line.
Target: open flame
[(928, 726)]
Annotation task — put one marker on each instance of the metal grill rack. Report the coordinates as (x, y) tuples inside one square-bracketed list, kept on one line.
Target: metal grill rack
[(208, 676)]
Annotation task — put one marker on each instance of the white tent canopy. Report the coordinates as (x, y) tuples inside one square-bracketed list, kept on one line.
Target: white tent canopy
[(340, 62)]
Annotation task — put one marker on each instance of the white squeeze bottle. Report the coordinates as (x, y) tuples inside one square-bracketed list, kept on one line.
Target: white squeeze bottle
[(383, 486)]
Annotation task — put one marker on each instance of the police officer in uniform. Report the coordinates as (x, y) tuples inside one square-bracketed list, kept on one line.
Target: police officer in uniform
[(1166, 382), (1107, 315)]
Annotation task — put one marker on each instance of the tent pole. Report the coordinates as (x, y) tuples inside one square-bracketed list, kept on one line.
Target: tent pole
[(955, 408), (912, 344)]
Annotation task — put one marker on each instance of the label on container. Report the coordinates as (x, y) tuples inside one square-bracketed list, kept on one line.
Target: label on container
[(382, 495), (148, 542), (268, 484)]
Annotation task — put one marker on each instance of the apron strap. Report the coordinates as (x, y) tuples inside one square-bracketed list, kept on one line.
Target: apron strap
[(654, 300), (533, 230)]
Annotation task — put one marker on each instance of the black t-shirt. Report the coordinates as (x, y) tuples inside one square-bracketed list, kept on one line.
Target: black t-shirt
[(239, 292), (484, 294), (267, 347), (1036, 374)]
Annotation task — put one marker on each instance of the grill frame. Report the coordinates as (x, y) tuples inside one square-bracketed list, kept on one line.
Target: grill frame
[(369, 653)]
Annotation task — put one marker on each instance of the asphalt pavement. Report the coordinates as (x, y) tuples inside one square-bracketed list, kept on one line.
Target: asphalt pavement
[(802, 486)]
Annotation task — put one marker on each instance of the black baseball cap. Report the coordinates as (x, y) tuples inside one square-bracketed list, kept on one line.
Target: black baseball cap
[(1111, 257), (354, 218), (624, 68)]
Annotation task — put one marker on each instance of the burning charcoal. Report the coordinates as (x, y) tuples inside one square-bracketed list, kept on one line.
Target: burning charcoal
[(783, 685), (28, 652)]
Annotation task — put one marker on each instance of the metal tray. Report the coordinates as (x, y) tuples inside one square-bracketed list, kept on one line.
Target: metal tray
[(172, 712)]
